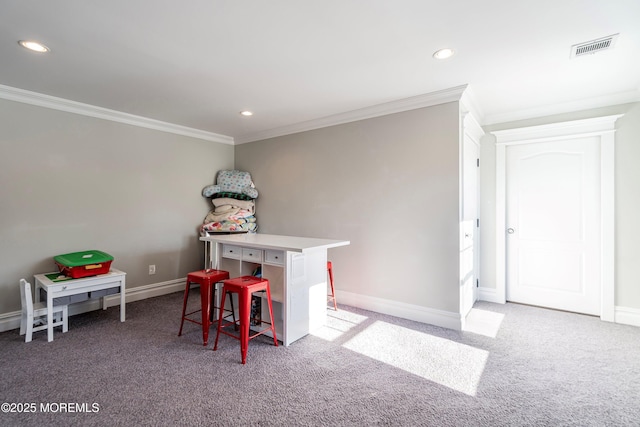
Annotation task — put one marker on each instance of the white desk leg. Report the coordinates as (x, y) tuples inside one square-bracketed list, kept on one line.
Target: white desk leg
[(207, 249), (214, 256), (210, 254), (49, 317), (122, 299)]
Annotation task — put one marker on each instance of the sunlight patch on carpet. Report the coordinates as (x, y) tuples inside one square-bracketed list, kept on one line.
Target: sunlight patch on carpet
[(483, 322), (338, 322), (442, 361)]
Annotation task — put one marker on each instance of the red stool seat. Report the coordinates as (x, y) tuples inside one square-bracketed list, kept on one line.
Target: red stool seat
[(245, 286), (332, 296), (207, 280)]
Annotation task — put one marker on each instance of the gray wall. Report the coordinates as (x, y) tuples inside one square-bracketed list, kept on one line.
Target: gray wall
[(70, 183), (390, 185), (627, 197)]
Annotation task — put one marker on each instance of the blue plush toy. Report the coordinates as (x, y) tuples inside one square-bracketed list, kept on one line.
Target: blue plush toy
[(232, 181)]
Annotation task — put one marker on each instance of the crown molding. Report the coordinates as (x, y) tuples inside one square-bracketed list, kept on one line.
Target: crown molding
[(55, 103), (472, 127), (469, 104), (567, 107), (397, 106)]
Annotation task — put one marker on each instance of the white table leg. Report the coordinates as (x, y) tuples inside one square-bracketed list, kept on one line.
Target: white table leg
[(218, 247), (122, 300), (207, 263), (49, 317)]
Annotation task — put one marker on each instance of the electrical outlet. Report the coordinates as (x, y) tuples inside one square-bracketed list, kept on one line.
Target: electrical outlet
[(152, 269)]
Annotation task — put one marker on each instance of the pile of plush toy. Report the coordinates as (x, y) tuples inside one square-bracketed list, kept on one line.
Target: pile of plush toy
[(233, 198)]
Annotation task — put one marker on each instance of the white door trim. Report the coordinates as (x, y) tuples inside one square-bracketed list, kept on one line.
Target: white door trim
[(603, 127), (471, 131)]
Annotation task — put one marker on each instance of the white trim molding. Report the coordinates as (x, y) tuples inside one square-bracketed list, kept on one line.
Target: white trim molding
[(567, 107), (418, 313), (604, 127), (41, 100), (11, 320), (148, 291), (628, 316), (398, 106), (490, 295), (469, 104), (555, 131)]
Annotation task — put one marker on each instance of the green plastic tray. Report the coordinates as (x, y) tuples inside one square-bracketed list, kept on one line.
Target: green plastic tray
[(78, 259)]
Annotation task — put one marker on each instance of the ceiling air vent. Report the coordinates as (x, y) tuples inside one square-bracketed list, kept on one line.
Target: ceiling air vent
[(593, 46)]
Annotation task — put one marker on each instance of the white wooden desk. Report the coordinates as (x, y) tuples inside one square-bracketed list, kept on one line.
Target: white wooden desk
[(113, 279), (297, 271)]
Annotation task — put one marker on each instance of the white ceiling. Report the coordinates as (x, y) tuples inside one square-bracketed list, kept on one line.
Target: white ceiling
[(197, 63)]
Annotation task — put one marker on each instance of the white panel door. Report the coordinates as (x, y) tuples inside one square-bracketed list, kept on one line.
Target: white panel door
[(553, 224)]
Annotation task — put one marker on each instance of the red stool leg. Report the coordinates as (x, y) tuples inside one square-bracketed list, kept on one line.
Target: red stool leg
[(333, 290), (213, 299), (212, 302), (245, 314), (184, 307), (205, 300), (220, 316), (273, 326), (233, 312)]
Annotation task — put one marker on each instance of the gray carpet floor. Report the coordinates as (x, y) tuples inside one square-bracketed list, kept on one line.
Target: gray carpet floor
[(514, 366)]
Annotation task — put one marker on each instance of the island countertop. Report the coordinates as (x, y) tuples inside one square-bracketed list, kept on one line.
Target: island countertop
[(274, 241)]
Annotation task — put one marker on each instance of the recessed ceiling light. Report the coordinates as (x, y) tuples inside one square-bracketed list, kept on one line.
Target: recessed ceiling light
[(443, 53), (246, 113), (34, 46)]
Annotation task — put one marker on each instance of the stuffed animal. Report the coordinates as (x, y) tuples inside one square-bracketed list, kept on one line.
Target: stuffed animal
[(232, 181)]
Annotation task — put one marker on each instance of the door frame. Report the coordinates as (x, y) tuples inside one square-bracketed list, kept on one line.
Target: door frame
[(602, 127), (471, 131)]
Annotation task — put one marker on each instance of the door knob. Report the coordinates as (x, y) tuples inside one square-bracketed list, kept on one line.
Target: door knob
[(510, 230)]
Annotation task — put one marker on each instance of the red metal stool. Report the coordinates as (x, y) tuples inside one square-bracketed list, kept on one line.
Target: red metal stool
[(332, 296), (245, 286), (207, 280)]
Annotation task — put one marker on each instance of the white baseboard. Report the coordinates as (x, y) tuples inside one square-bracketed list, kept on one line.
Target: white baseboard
[(11, 320), (623, 315), (627, 316), (489, 295), (445, 319), (148, 291)]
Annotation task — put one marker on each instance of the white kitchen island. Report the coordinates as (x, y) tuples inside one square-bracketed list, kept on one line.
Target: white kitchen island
[(296, 268)]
